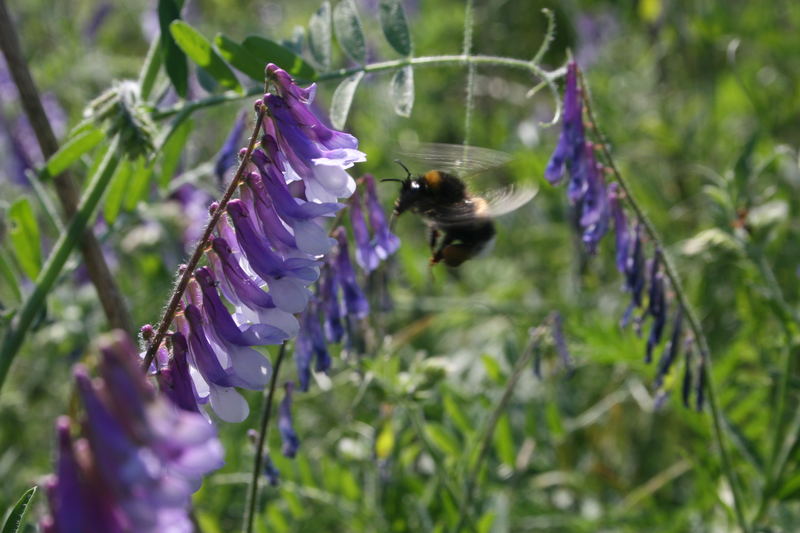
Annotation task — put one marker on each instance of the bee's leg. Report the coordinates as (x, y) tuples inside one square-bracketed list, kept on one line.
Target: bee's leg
[(433, 236), (438, 255)]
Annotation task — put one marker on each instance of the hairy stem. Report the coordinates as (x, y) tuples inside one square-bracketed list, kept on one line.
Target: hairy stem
[(522, 363), (683, 301), (441, 60), (183, 282), (67, 241), (68, 192), (252, 493)]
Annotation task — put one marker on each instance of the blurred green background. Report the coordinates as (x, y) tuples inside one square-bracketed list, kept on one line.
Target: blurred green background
[(701, 105)]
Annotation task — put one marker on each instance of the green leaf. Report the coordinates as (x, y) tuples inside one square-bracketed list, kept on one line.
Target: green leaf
[(199, 49), (174, 58), (117, 190), (11, 282), (171, 154), (74, 148), (403, 91), (319, 35), (443, 439), (24, 235), (266, 51), (139, 184), (456, 414), (342, 98), (486, 521), (492, 368), (348, 30), (395, 26), (504, 440), (13, 523), (239, 57)]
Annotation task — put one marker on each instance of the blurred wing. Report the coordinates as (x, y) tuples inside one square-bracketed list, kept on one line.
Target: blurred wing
[(455, 158), (502, 201), (492, 205)]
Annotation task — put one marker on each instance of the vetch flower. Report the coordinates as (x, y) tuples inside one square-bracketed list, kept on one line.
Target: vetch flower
[(571, 142), (672, 350), (141, 458), (331, 304), (226, 157), (384, 241), (175, 379), (366, 254), (355, 303), (657, 307), (290, 440), (310, 345)]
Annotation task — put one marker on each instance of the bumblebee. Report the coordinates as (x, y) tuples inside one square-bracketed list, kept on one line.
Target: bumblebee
[(460, 223)]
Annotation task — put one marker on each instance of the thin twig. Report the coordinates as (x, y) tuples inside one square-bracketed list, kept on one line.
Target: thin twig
[(68, 193), (522, 363), (683, 301), (183, 282), (252, 493)]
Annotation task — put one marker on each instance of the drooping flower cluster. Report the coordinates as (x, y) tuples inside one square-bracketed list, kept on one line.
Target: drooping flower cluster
[(266, 251), (138, 457), (597, 205), (340, 303)]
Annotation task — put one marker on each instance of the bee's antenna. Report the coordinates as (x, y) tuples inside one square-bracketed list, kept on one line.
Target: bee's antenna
[(391, 179), (408, 172)]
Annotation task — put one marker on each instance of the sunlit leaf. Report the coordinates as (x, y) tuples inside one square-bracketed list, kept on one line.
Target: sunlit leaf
[(239, 57), (199, 49), (71, 151), (138, 184), (171, 154), (23, 232), (266, 51), (443, 439), (117, 190), (13, 523), (320, 34), (349, 32), (403, 91), (384, 444), (395, 26), (504, 440), (342, 98)]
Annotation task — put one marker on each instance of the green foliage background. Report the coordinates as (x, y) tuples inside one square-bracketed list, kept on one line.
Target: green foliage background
[(701, 105)]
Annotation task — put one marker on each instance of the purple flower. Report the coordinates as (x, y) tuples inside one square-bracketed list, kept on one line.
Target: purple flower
[(355, 303), (316, 154), (252, 305), (142, 457), (285, 427), (672, 350), (310, 344), (366, 254), (271, 471), (686, 386), (384, 241), (571, 142), (287, 280), (175, 380), (213, 380), (227, 155), (657, 307), (621, 229), (330, 304), (595, 212)]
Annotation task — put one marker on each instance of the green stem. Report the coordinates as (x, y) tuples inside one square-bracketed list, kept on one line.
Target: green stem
[(67, 241), (522, 363), (252, 493), (789, 320), (149, 72), (187, 109), (683, 301)]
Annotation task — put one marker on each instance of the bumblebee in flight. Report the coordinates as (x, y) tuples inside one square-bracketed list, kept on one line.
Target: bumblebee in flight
[(461, 224)]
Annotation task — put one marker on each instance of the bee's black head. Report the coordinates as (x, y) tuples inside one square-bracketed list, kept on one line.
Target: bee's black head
[(409, 191)]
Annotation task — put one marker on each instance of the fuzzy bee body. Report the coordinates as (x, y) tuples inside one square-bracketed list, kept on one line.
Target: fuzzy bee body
[(460, 224)]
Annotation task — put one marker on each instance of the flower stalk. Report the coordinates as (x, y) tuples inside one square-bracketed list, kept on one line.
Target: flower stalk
[(188, 272), (683, 301)]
